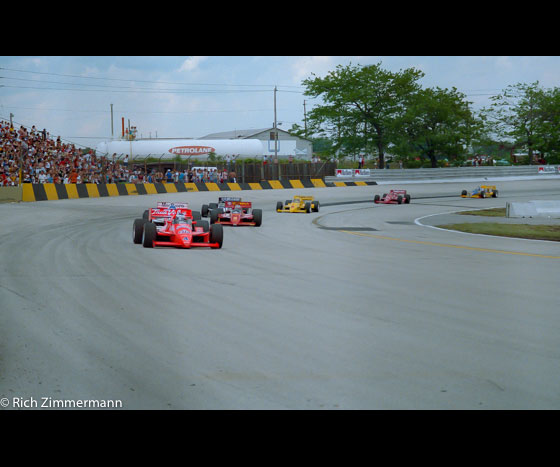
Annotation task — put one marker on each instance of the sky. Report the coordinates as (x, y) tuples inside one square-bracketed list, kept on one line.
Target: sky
[(191, 97)]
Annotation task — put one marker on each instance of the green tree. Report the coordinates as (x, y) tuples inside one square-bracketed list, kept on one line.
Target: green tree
[(435, 122), (517, 114), (548, 129), (359, 105)]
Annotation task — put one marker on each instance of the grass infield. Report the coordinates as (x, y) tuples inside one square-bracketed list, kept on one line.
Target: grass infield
[(494, 212), (535, 232), (532, 231)]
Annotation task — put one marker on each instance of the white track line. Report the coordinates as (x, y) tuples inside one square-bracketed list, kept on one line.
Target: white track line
[(417, 222)]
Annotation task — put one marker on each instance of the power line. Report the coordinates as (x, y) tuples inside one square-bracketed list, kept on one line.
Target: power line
[(226, 91), (128, 87), (143, 111), (147, 81)]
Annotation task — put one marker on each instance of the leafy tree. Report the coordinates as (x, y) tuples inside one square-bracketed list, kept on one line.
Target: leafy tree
[(212, 159), (297, 130), (360, 104), (548, 129), (516, 114), (435, 122)]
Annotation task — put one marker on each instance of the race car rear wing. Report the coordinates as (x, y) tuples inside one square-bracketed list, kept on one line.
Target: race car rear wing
[(223, 199), (242, 204), (171, 205)]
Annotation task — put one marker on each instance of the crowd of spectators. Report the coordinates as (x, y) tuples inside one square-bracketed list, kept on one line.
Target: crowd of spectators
[(192, 175), (42, 159)]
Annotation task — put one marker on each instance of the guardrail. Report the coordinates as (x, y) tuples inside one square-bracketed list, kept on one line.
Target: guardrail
[(445, 173)]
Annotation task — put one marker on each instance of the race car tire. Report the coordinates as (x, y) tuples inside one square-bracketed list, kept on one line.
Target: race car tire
[(217, 235), (213, 216), (196, 215), (315, 206), (204, 210), (150, 233), (407, 199), (307, 207), (288, 201), (399, 199), (482, 194), (279, 206), (384, 196), (376, 198), (464, 193), (495, 194), (146, 214), (138, 230), (213, 205), (204, 224), (257, 217)]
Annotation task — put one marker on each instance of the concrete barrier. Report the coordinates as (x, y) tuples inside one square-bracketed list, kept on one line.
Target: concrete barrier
[(533, 209), (52, 191), (10, 194)]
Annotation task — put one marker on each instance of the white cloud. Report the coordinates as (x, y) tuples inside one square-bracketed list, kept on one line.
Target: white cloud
[(304, 66), (192, 63), (503, 63)]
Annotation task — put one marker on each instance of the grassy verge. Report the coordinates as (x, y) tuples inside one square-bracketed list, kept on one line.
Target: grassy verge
[(494, 212), (535, 232)]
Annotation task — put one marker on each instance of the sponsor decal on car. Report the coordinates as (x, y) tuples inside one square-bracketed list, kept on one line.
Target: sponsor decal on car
[(163, 213)]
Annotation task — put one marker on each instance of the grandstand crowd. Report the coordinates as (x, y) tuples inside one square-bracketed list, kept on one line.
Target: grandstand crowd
[(48, 160)]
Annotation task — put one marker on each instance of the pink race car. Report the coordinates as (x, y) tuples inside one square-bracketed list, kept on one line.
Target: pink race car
[(394, 197)]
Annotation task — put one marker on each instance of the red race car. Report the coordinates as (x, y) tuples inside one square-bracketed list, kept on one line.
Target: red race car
[(232, 211), (174, 224), (394, 197)]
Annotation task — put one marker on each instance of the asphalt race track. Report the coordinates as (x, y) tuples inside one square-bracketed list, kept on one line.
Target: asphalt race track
[(358, 306)]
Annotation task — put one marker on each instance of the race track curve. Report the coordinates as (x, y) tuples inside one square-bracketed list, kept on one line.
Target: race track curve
[(354, 307)]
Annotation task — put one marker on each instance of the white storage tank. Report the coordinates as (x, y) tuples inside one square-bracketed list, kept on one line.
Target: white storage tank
[(170, 148)]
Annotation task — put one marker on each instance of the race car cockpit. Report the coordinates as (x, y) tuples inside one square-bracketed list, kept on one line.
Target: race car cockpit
[(180, 218)]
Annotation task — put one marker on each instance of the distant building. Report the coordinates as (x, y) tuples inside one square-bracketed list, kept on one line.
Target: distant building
[(286, 146)]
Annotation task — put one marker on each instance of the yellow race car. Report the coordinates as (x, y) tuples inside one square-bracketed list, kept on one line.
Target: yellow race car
[(298, 204), (482, 191)]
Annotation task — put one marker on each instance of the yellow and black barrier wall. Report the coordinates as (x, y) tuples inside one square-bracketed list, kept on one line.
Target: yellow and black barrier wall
[(53, 191)]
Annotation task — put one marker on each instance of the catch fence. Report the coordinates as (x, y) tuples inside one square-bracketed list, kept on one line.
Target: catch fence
[(249, 172)]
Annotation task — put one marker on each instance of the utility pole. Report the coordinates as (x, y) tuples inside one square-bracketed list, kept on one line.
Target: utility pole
[(275, 130), (11, 124), (130, 140), (112, 135), (304, 119)]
